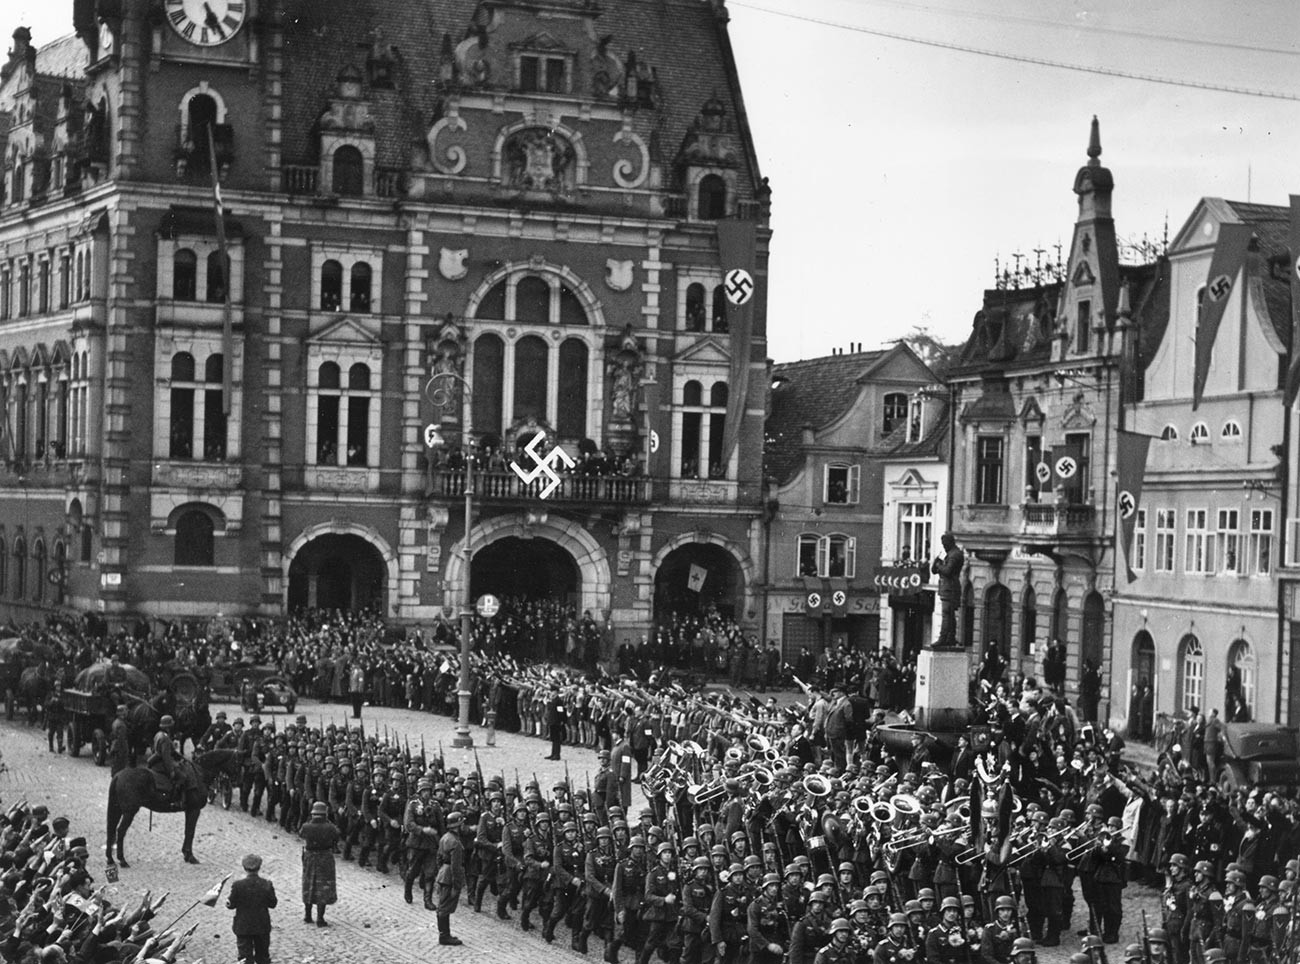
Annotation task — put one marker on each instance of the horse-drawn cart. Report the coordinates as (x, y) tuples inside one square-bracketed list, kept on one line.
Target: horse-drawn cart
[(90, 704), (17, 656)]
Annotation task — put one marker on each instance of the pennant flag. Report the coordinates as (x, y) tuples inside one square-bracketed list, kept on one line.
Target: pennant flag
[(227, 326), (737, 247), (1225, 265), (212, 896), (1293, 270), (1131, 466), (695, 581)]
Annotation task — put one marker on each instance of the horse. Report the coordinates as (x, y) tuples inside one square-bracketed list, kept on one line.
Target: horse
[(34, 686), (134, 788)]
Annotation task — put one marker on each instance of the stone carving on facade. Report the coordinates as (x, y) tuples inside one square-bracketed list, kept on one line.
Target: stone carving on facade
[(625, 371), (1079, 414), (447, 351), (474, 68), (446, 156), (192, 476), (627, 173), (343, 480), (451, 264), (618, 274), (537, 159)]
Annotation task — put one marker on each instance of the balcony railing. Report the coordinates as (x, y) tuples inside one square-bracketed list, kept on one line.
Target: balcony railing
[(1053, 520), (508, 487), (300, 178), (390, 182)]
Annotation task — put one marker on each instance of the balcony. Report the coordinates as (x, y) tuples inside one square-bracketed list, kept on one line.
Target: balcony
[(573, 489), (299, 178), (1048, 528)]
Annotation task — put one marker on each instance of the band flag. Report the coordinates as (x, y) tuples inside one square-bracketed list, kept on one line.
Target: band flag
[(1225, 265)]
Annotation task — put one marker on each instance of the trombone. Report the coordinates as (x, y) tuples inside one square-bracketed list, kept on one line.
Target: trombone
[(1103, 840), (916, 838), (1034, 844)]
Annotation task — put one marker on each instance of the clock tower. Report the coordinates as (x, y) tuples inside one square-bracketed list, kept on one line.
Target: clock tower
[(204, 31)]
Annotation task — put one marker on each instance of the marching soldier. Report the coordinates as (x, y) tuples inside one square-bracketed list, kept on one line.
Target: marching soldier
[(1205, 913), (812, 931), (1000, 933), (697, 902), (539, 850), (1176, 907), (570, 866), (1111, 873), (728, 917), (840, 949), (769, 928), (661, 909), (629, 885), (514, 845), (598, 874), (392, 810), (422, 824), (488, 846)]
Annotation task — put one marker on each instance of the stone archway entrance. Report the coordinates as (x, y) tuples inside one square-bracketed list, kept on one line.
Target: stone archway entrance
[(338, 571), (698, 578), (530, 568)]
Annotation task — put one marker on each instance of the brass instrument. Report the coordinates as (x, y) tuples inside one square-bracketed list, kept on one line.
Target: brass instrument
[(1103, 839), (916, 839), (962, 805), (882, 812), (862, 806), (906, 804), (1035, 844), (816, 786), (700, 795)]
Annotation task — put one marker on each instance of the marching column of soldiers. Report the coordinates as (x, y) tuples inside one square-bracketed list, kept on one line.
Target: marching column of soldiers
[(745, 854)]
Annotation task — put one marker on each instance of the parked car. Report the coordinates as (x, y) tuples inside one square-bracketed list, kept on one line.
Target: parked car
[(271, 692), (1258, 755)]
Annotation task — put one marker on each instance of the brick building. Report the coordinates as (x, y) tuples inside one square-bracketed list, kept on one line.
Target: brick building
[(541, 198)]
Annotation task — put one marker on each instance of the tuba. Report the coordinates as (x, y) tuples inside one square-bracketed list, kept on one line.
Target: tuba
[(905, 804), (882, 812), (758, 743), (862, 806), (816, 786)]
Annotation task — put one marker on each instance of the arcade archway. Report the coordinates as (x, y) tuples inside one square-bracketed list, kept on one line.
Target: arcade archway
[(698, 578), (531, 568), (338, 571)]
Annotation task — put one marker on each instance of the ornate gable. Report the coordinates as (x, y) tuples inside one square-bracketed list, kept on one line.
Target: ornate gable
[(706, 351), (345, 331)]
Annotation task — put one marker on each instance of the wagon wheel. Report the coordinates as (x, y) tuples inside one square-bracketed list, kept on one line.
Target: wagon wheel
[(74, 737), (185, 690), (99, 747)]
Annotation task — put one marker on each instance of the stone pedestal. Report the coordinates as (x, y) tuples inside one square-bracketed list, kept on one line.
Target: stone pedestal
[(942, 685)]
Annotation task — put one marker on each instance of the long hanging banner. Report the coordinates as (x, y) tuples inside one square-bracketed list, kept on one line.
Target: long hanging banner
[(1131, 465), (737, 245), (1229, 255)]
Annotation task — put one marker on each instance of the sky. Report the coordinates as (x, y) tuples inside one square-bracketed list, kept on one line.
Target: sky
[(901, 170)]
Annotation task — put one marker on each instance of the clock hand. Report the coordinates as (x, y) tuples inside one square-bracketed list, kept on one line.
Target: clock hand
[(212, 21)]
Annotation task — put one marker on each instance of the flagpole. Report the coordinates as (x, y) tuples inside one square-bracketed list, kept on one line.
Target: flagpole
[(227, 323)]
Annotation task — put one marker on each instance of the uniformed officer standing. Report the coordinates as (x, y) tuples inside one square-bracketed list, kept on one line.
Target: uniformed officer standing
[(1175, 907), (422, 824), (1112, 869), (812, 931), (660, 909), (769, 928), (450, 878), (1000, 933), (946, 942)]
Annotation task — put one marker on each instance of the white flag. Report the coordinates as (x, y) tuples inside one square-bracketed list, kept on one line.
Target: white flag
[(695, 582)]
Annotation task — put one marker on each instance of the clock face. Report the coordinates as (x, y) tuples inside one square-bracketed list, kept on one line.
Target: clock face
[(206, 23)]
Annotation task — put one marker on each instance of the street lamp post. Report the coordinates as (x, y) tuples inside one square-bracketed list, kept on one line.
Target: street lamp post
[(441, 395)]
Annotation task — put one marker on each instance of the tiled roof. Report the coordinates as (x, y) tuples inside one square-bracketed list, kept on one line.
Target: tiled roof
[(679, 39), (65, 57), (1014, 326), (812, 392), (934, 444)]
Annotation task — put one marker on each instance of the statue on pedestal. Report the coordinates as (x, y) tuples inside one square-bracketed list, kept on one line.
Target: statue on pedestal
[(948, 568)]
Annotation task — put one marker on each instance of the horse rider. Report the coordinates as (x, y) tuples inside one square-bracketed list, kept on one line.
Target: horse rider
[(163, 758), (119, 740)]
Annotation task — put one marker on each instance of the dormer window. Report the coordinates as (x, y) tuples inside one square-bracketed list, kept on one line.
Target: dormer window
[(713, 198), (540, 74), (896, 408), (1200, 433)]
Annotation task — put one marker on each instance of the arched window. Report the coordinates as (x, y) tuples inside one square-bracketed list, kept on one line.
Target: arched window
[(806, 554), (839, 556), (38, 571), (349, 171), (531, 372), (533, 301), (1200, 433), (1191, 674), (571, 310), (1028, 621), (201, 116), (997, 619), (1239, 691), (720, 324), (489, 384), (181, 428), (20, 568), (895, 411), (718, 395), (493, 304), (1169, 433), (87, 543), (692, 393), (327, 413), (1092, 646), (331, 286), (214, 408), (216, 293), (696, 317), (571, 412), (359, 291), (1231, 431), (194, 539), (185, 272), (1060, 616), (968, 615), (712, 198)]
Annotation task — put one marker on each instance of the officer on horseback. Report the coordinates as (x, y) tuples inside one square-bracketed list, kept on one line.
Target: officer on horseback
[(162, 759)]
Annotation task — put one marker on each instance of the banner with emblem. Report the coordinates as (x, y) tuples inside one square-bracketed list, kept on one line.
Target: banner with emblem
[(1229, 255), (737, 249), (1293, 270), (1066, 461), (839, 597), (1131, 466), (695, 580), (1043, 473), (815, 596)]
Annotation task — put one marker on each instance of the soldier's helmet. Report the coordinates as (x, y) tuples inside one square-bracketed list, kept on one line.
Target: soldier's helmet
[(840, 924), (897, 920), (1004, 903), (1021, 945)]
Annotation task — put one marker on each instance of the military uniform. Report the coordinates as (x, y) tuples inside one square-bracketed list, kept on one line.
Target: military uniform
[(629, 885), (697, 902), (569, 867), (510, 877), (598, 872), (768, 926), (539, 850), (423, 826), (729, 917), (660, 908), (487, 848)]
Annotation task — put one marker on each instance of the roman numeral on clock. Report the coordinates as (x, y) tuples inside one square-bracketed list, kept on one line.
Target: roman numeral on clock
[(188, 31), (231, 22), (177, 17)]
